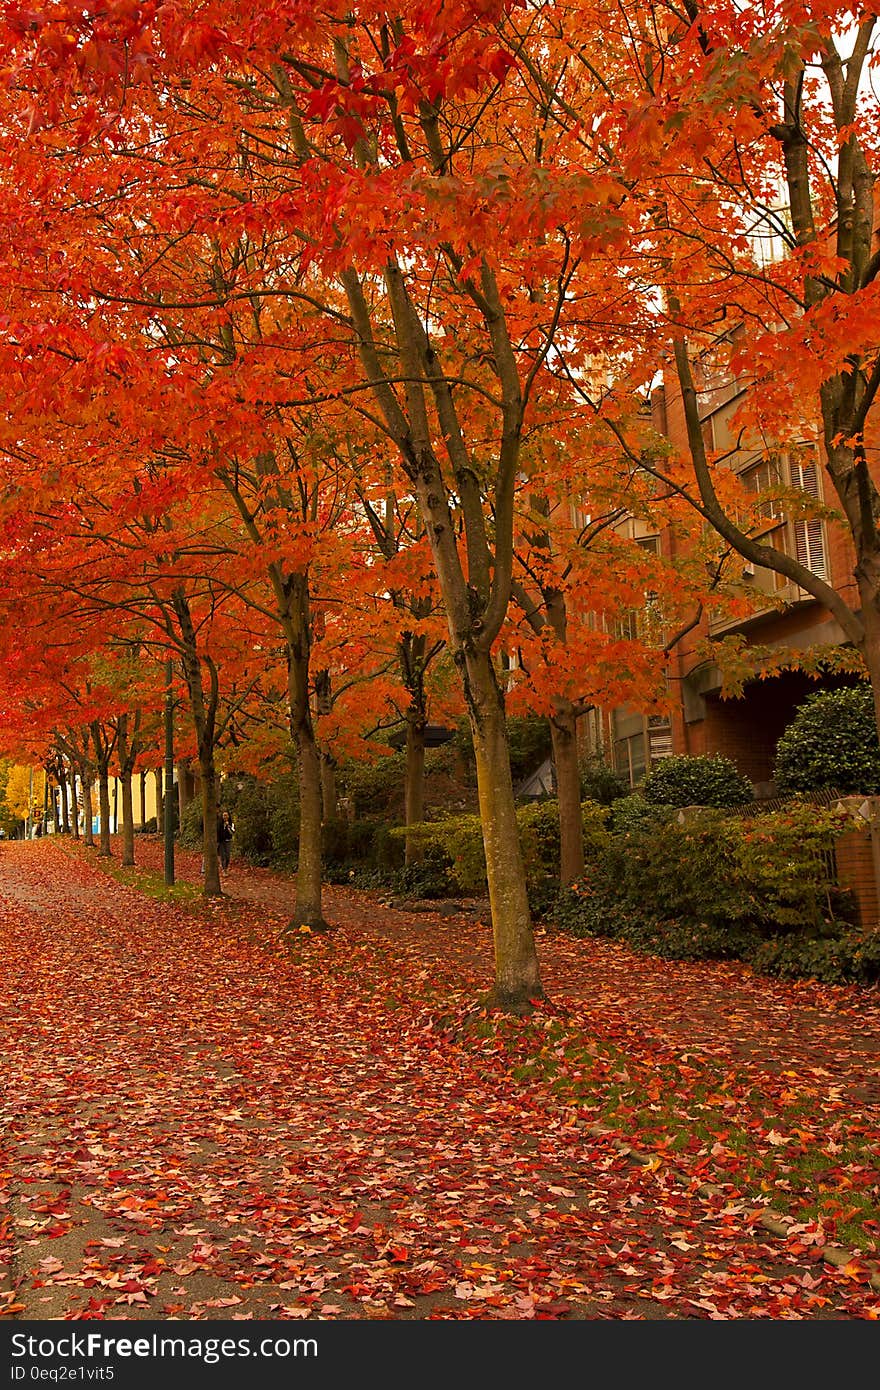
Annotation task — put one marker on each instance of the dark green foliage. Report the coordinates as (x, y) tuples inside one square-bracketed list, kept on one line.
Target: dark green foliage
[(460, 840), (831, 744), (633, 814), (712, 886), (602, 783), (601, 911), (709, 780), (249, 804), (334, 842), (190, 834), (362, 840), (429, 877), (376, 787), (850, 957), (457, 841), (528, 737), (388, 849), (530, 744), (283, 800)]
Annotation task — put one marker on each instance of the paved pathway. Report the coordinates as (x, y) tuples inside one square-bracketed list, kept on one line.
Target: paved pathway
[(200, 1124)]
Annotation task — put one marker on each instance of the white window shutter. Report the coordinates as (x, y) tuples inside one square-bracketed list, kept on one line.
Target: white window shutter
[(809, 535)]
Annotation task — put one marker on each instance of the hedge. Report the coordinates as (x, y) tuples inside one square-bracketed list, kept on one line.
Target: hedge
[(705, 780), (711, 885), (453, 847)]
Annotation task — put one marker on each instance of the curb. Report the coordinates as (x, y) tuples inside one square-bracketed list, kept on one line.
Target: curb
[(777, 1223)]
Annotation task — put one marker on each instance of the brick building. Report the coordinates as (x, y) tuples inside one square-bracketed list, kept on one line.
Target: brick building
[(700, 720)]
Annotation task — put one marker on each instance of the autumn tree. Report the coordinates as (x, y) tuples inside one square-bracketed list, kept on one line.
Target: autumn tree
[(761, 235), (405, 185)]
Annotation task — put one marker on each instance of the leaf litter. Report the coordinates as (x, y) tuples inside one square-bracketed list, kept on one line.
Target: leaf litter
[(205, 1118)]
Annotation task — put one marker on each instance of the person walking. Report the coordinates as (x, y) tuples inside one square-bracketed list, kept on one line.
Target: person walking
[(225, 832)]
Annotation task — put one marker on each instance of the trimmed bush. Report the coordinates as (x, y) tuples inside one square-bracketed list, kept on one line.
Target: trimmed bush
[(709, 780), (831, 744), (851, 957)]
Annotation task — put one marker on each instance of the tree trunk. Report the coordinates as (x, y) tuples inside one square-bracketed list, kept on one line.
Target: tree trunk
[(869, 592), (104, 812), (160, 805), (88, 810), (517, 978), (308, 911), (328, 787), (563, 732), (212, 888), (414, 785), (143, 789), (74, 806), (65, 813), (204, 714), (184, 789), (127, 820)]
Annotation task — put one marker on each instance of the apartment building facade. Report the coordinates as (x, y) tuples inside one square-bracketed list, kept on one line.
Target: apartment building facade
[(697, 718)]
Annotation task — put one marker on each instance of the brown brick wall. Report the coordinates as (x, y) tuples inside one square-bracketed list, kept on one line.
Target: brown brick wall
[(855, 870)]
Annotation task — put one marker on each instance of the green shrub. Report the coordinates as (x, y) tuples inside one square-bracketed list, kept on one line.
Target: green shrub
[(633, 814), (388, 849), (429, 877), (852, 957), (248, 803), (334, 842), (770, 872), (713, 886), (708, 780), (538, 823), (530, 743), (283, 817), (602, 783), (460, 838), (190, 834), (362, 837), (456, 842), (376, 786), (831, 744)]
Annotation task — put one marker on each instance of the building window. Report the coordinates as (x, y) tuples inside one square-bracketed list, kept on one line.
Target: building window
[(804, 539), (642, 624), (629, 758), (758, 480), (659, 737), (592, 733), (809, 532)]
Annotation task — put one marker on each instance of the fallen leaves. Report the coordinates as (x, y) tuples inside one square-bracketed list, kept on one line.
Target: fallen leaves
[(339, 1132)]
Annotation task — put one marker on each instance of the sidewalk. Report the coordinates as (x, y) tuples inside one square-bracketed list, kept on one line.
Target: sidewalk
[(205, 1123)]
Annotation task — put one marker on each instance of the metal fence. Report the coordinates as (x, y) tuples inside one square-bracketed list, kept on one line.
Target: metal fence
[(781, 803)]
